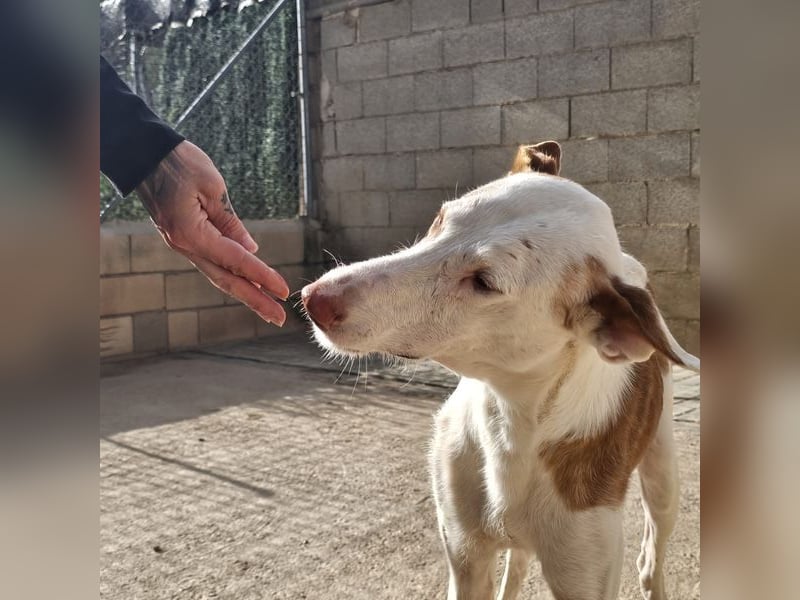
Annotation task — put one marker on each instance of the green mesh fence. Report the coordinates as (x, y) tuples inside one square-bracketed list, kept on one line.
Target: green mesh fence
[(249, 124)]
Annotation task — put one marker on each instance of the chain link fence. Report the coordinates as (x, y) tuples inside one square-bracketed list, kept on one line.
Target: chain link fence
[(249, 122)]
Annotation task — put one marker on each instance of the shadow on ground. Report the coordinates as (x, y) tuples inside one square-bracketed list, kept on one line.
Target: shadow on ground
[(256, 471)]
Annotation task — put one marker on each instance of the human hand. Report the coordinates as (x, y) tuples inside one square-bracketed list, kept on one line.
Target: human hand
[(189, 205)]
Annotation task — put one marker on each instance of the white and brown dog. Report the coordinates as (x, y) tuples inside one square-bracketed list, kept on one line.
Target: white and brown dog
[(521, 287)]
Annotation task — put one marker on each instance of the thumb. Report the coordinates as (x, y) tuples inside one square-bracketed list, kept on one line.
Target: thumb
[(228, 223)]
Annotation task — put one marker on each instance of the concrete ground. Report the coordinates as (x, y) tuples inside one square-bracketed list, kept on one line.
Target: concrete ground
[(254, 471)]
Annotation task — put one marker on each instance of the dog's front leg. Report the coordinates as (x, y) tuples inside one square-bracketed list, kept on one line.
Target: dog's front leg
[(582, 557), (658, 474), (517, 562), (472, 574)]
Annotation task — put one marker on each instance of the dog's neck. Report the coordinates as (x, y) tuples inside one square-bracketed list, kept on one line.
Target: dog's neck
[(573, 393)]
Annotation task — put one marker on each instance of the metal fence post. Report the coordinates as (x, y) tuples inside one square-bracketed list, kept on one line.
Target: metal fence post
[(308, 205)]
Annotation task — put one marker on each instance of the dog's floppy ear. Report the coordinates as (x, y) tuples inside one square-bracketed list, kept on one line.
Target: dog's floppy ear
[(630, 326), (544, 158)]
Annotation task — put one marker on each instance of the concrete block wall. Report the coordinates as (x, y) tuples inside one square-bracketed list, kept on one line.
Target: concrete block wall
[(153, 300), (416, 101)]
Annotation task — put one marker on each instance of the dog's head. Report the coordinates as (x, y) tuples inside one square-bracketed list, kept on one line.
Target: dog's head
[(506, 275)]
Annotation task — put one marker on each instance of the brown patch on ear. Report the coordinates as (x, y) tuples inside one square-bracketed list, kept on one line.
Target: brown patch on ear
[(544, 157), (437, 225), (594, 471), (630, 312), (619, 315)]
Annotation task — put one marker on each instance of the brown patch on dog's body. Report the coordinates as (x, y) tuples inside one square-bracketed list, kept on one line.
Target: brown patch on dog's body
[(594, 471)]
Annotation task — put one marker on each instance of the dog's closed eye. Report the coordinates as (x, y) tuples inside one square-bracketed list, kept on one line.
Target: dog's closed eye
[(482, 282)]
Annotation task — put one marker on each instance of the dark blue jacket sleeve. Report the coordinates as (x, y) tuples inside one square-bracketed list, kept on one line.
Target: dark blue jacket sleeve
[(133, 139)]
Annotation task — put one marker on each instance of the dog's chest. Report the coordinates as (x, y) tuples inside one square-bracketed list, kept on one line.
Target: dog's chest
[(515, 477), (527, 469)]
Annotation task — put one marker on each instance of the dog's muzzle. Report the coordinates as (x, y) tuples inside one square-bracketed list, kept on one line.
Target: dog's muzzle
[(324, 305)]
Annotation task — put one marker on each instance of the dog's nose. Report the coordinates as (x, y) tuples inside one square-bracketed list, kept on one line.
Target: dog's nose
[(324, 306)]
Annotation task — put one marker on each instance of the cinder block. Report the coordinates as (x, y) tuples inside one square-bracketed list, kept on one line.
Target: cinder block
[(327, 60), (471, 127), (131, 293), (384, 21), (361, 136), (342, 174), (418, 131), (346, 243), (517, 8), (545, 5), (376, 242), (585, 161), (649, 157), (328, 136), (612, 23), (298, 276), (533, 122), (364, 209), (225, 323), (692, 340), (329, 209), (415, 53), (115, 253), (678, 294), (444, 169), (441, 14), (364, 61), (415, 208), (116, 336), (150, 332), (472, 45), (677, 327), (182, 329), (389, 96), (482, 11), (611, 113), (673, 108), (189, 290), (628, 201), (658, 248), (674, 202), (389, 172), (540, 34), (294, 322), (647, 65), (503, 82), (337, 30), (695, 154), (673, 18), (694, 248), (489, 164), (443, 89), (150, 253), (280, 242), (575, 73), (347, 100)]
